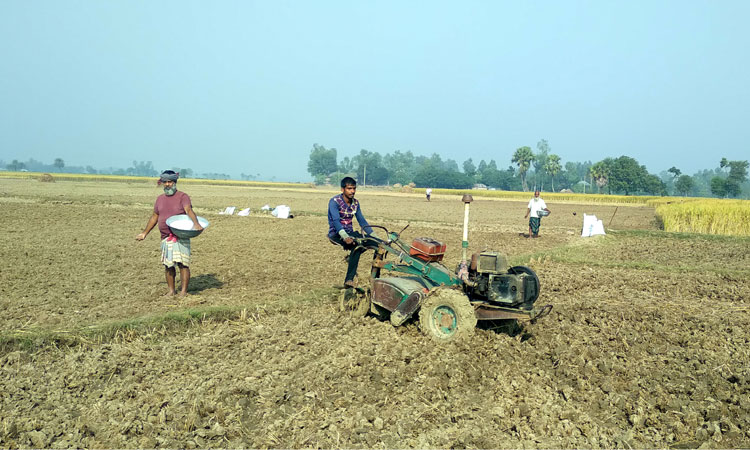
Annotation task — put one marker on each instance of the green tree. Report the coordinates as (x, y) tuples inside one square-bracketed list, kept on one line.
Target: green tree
[(600, 173), (370, 169), (346, 165), (59, 164), (15, 166), (146, 169), (653, 185), (627, 176), (552, 167), (540, 160), (188, 172), (469, 168), (431, 175), (684, 184), (322, 161), (724, 163), (523, 157), (738, 171), (718, 187), (401, 166)]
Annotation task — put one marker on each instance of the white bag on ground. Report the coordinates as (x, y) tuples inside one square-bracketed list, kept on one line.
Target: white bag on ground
[(281, 212), (591, 226), (229, 210), (244, 212)]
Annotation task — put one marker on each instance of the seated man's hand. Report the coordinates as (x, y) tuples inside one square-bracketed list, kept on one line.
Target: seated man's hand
[(349, 240)]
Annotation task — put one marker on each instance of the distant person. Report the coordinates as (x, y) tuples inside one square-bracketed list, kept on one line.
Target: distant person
[(175, 252), (428, 192), (342, 209), (536, 205)]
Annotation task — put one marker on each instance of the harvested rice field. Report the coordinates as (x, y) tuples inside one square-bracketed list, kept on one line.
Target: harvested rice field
[(647, 344)]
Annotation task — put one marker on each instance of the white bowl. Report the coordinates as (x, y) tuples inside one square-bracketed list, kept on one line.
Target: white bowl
[(182, 226)]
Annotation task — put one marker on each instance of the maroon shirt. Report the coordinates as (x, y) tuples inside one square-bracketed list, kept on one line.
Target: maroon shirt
[(168, 206)]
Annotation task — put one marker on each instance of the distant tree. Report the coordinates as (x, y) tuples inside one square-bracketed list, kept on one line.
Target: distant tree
[(482, 165), (540, 160), (600, 173), (214, 176), (469, 168), (144, 169), (370, 168), (501, 179), (738, 171), (15, 166), (731, 186), (322, 161), (59, 164), (675, 172), (450, 165), (684, 184), (718, 187), (523, 157), (346, 165), (430, 175), (653, 185), (724, 163), (552, 167), (401, 167), (627, 176), (91, 170)]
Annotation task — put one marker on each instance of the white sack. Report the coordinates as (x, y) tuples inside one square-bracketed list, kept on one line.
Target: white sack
[(591, 226), (281, 212)]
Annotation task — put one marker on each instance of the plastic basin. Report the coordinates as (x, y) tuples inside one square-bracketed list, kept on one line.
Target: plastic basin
[(182, 226)]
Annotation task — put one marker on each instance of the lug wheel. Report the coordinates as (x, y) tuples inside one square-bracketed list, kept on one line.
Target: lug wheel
[(446, 314), (355, 301)]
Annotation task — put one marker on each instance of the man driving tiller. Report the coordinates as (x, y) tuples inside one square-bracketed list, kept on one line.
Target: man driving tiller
[(342, 209)]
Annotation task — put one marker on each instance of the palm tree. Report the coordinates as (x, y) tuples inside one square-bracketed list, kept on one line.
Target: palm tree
[(523, 157), (600, 172), (552, 167)]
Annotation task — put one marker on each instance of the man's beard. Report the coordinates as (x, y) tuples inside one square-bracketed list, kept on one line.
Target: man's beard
[(170, 191)]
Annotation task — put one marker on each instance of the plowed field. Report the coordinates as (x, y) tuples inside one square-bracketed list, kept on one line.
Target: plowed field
[(647, 345)]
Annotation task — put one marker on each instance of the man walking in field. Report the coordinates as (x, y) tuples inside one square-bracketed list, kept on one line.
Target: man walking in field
[(536, 209), (174, 252), (342, 209)]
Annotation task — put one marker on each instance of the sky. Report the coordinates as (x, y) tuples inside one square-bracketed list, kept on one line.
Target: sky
[(249, 86)]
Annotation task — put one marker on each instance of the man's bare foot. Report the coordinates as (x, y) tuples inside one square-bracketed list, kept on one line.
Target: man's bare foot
[(169, 294), (182, 294), (349, 284)]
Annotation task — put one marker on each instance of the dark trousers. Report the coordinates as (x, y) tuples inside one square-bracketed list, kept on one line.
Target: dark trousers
[(356, 252)]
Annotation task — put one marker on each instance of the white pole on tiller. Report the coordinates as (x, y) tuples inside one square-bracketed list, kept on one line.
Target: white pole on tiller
[(467, 199)]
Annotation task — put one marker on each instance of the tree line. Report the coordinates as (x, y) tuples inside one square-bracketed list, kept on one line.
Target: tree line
[(528, 169), (138, 169)]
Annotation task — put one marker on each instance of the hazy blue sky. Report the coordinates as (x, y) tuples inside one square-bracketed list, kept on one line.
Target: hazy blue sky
[(249, 86)]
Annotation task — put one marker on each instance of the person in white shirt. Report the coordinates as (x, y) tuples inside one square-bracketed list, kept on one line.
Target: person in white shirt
[(428, 192), (536, 205)]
